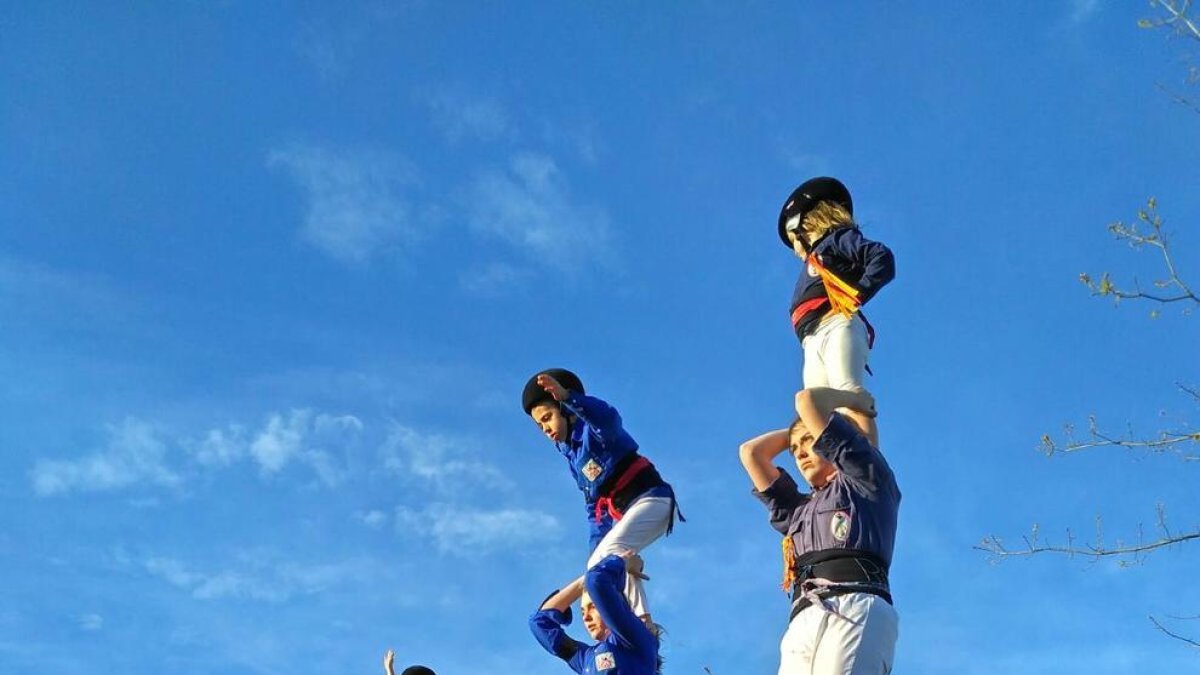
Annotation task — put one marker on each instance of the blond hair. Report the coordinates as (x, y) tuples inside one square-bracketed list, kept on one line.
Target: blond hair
[(825, 216)]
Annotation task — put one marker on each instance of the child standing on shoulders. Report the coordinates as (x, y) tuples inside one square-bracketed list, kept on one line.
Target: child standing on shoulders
[(629, 505), (843, 270)]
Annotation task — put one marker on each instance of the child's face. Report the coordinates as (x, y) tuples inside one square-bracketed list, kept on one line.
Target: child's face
[(549, 418), (591, 618), (817, 470), (796, 235)]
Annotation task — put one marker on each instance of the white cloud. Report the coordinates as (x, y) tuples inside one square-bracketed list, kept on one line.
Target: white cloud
[(257, 577), (355, 204), (530, 207), (470, 531), (462, 116), (221, 447), (91, 622), (446, 464), (373, 519), (298, 437), (137, 454), (134, 455)]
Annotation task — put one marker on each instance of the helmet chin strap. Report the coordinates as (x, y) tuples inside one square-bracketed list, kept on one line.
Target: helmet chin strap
[(562, 410)]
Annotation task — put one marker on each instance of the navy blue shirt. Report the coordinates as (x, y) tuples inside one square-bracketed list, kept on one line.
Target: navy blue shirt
[(864, 264), (629, 649), (858, 508)]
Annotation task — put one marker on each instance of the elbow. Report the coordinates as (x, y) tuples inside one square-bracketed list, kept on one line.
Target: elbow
[(748, 454), (803, 400)]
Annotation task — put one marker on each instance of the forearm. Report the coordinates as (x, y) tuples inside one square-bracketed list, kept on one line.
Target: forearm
[(815, 405), (758, 457), (563, 599)]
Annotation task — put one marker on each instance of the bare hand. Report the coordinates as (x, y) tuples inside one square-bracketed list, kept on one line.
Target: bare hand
[(552, 387), (388, 658), (634, 564), (866, 404)]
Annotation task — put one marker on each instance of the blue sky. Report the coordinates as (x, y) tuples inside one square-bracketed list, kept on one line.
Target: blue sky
[(272, 276)]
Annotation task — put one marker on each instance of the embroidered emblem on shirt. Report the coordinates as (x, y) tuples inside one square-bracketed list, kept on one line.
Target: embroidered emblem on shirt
[(605, 661), (591, 469), (839, 525)]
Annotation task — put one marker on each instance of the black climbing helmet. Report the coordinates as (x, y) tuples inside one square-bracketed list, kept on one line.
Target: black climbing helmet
[(534, 394), (805, 197), (418, 670)]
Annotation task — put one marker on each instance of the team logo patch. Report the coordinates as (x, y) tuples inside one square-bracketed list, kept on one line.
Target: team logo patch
[(591, 469), (839, 525), (605, 661)]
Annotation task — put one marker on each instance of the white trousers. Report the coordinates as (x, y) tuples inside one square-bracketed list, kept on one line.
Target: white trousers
[(836, 354), (818, 642), (646, 519)]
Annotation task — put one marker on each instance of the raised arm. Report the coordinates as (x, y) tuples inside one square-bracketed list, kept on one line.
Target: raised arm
[(816, 404), (772, 486), (758, 457), (605, 582), (597, 414), (549, 622), (564, 598)]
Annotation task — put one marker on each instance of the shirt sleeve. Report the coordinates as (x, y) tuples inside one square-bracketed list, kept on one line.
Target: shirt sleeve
[(548, 627), (842, 444), (781, 498), (876, 261), (604, 419), (605, 583)]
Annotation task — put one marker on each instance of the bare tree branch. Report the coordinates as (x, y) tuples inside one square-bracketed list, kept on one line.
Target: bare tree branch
[(1178, 19), (1166, 441), (1177, 636), (995, 547), (1133, 553), (1134, 234)]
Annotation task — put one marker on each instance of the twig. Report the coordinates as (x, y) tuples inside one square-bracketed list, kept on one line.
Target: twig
[(1177, 636)]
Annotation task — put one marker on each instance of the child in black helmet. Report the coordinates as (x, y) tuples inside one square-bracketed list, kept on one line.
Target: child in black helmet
[(629, 505), (843, 270)]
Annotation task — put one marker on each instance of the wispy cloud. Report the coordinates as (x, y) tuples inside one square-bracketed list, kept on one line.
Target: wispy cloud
[(373, 518), (529, 205), (44, 293), (463, 530), (459, 116), (137, 453), (256, 577), (492, 279), (446, 464), (355, 203), (133, 455), (1082, 10), (450, 475), (91, 622)]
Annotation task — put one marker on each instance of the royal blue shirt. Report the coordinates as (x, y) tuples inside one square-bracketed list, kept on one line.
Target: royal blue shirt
[(597, 444), (628, 649)]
